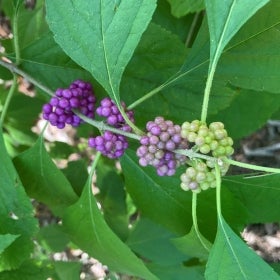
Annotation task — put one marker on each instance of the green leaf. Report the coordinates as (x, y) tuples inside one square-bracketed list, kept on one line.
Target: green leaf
[(100, 37), (68, 270), (87, 228), (258, 194), (244, 115), (155, 243), (16, 213), (230, 258), (112, 197), (6, 240), (225, 18), (43, 180), (180, 8), (191, 245)]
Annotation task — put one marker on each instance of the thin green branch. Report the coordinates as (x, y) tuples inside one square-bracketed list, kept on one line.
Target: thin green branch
[(15, 36), (14, 69), (252, 166), (195, 224), (8, 99), (102, 126)]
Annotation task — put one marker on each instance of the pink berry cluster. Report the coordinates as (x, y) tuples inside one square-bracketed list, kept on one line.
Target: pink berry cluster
[(111, 144), (59, 111), (158, 146)]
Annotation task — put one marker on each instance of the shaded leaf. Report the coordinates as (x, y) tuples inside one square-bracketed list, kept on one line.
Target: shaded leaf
[(155, 243), (180, 8), (191, 245), (87, 228), (248, 112), (52, 238), (234, 258), (43, 180), (46, 61), (97, 37), (6, 240)]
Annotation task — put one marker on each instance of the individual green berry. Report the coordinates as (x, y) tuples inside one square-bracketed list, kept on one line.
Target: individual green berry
[(205, 149)]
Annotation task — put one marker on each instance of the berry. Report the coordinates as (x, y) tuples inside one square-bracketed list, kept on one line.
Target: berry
[(158, 145), (78, 96), (212, 139), (198, 177), (110, 144)]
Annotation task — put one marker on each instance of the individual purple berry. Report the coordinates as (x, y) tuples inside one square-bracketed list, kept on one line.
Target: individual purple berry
[(158, 145), (78, 96)]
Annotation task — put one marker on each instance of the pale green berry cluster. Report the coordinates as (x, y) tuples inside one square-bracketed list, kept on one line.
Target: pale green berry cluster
[(201, 175), (198, 177), (212, 138)]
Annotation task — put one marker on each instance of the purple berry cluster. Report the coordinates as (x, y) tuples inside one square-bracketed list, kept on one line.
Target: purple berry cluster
[(157, 147), (78, 96), (111, 144)]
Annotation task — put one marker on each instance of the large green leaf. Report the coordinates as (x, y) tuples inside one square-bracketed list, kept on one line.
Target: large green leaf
[(43, 180), (163, 201), (224, 20), (100, 36), (260, 195), (231, 258), (17, 222), (87, 228)]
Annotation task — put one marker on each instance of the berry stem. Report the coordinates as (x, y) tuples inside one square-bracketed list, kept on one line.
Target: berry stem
[(102, 126), (8, 99), (93, 166), (218, 192), (195, 224), (128, 121)]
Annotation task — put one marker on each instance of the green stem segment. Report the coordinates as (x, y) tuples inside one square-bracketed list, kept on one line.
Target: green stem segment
[(218, 192), (8, 99), (15, 36), (195, 224), (16, 70)]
